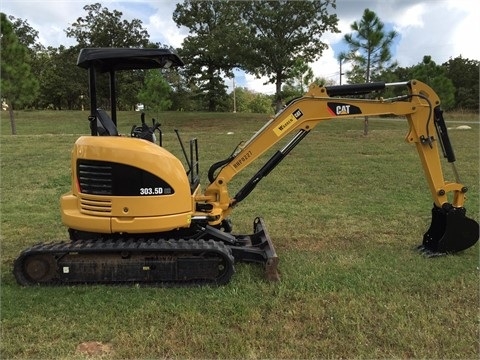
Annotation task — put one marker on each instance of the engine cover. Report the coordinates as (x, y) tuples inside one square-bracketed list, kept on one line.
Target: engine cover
[(122, 184)]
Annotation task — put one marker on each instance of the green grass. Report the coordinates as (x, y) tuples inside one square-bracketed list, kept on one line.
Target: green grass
[(344, 210)]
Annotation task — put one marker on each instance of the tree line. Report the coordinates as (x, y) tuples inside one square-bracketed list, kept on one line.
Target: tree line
[(273, 39)]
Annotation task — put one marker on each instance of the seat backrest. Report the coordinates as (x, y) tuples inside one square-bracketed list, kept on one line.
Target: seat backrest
[(105, 125)]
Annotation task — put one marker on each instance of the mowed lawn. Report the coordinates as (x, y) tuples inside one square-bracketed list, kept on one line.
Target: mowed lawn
[(345, 212)]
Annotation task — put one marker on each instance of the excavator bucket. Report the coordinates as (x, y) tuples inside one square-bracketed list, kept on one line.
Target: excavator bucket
[(450, 231)]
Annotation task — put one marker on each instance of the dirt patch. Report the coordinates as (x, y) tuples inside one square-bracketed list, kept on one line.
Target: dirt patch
[(94, 348)]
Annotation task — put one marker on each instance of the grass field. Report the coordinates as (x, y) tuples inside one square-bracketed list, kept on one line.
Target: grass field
[(344, 210)]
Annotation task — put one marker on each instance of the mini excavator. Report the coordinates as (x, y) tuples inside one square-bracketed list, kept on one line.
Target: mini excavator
[(136, 215)]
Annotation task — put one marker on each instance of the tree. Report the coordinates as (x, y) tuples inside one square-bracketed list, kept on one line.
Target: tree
[(369, 46), (434, 75), (248, 101), (54, 69), (210, 51), (342, 58), (63, 85), (369, 49), (321, 81), (261, 104), (18, 85), (281, 33), (302, 77), (464, 74), (243, 97), (26, 34), (102, 28), (155, 94)]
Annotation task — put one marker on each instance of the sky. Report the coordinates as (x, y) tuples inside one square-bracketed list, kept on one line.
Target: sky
[(443, 29)]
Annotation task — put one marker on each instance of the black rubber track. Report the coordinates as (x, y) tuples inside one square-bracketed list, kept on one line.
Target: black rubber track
[(153, 261)]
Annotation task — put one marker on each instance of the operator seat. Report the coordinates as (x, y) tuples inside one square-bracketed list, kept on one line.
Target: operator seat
[(105, 125)]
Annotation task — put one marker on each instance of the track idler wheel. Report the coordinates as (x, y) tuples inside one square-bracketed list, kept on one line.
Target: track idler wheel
[(35, 269), (450, 231)]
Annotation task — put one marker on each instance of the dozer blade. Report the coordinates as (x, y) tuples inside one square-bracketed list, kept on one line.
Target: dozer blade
[(450, 231), (258, 248)]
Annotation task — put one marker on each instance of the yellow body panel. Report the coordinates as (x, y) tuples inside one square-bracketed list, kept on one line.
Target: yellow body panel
[(133, 214), (73, 218)]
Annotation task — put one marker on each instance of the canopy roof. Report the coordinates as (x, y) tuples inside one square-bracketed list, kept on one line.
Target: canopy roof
[(115, 59)]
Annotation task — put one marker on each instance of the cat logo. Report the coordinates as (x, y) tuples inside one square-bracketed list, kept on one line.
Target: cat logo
[(339, 109), (342, 110), (298, 114), (288, 122)]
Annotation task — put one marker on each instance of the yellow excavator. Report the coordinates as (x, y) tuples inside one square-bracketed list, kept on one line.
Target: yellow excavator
[(136, 215)]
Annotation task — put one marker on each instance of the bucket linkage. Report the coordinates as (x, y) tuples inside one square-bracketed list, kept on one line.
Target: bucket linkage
[(450, 231)]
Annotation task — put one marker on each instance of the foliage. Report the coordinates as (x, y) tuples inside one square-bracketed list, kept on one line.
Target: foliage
[(180, 94), (64, 85), (154, 95), (19, 86), (27, 35), (294, 88), (342, 58), (464, 74), (450, 80), (211, 47), (434, 75), (243, 97), (104, 28), (369, 50), (247, 101), (302, 77), (282, 33), (261, 104)]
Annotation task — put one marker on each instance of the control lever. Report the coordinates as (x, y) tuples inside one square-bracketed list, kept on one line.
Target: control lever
[(147, 132)]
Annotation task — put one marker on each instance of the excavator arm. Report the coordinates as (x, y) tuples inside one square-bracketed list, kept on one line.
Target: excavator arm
[(450, 231)]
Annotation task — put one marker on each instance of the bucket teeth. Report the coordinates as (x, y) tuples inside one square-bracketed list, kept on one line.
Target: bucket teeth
[(429, 253), (450, 231)]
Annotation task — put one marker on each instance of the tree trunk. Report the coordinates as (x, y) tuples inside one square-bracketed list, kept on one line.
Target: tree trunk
[(365, 122), (12, 119), (278, 95), (365, 126)]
